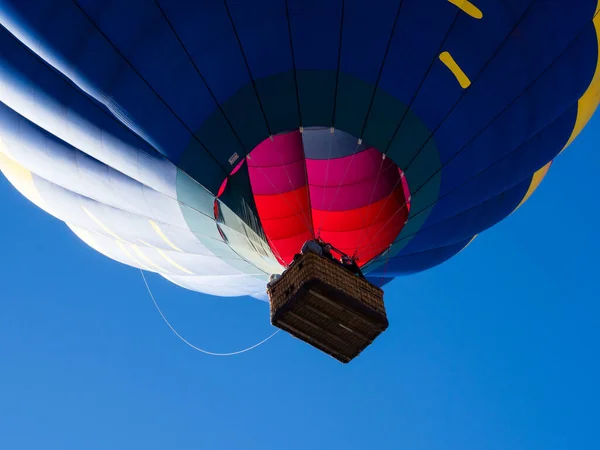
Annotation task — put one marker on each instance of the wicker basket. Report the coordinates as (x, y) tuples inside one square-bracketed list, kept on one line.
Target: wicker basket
[(327, 306)]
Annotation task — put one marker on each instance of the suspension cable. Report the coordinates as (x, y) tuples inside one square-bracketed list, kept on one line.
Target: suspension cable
[(206, 352)]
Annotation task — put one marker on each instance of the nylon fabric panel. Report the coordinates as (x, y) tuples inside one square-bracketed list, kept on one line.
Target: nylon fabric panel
[(517, 165), (354, 219), (62, 164), (321, 144), (377, 225), (277, 170), (352, 181), (291, 203), (41, 96), (223, 286), (468, 222), (544, 101), (209, 37), (277, 166), (315, 27), (129, 96), (367, 242), (416, 262), (263, 30), (126, 233), (284, 226)]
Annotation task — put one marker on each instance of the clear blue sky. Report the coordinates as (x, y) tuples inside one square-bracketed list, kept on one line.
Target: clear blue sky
[(496, 349)]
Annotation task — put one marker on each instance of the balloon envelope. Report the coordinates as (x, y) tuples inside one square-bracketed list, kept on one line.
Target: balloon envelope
[(206, 141)]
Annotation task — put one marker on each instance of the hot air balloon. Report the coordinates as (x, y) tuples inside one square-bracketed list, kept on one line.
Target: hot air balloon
[(207, 141)]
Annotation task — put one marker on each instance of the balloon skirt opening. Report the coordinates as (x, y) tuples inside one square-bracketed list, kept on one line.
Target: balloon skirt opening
[(317, 183), (328, 307)]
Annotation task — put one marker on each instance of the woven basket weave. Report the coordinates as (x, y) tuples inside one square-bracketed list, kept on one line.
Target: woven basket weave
[(327, 306)]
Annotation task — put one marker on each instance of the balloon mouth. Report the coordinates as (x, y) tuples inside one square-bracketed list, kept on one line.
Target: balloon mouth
[(324, 183)]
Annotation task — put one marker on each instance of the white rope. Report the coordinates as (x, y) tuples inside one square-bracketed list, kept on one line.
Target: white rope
[(206, 352)]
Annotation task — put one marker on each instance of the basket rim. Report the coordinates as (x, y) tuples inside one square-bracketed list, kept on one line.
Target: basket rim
[(338, 268)]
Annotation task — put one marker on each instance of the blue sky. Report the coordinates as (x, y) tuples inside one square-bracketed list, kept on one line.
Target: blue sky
[(496, 349)]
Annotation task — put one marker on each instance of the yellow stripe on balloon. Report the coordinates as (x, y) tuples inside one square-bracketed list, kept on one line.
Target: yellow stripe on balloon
[(468, 243), (131, 257), (163, 236), (590, 100), (118, 240), (535, 182), (146, 259), (468, 8), (85, 235), (167, 258), (461, 77), (173, 263), (100, 224), (20, 177)]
